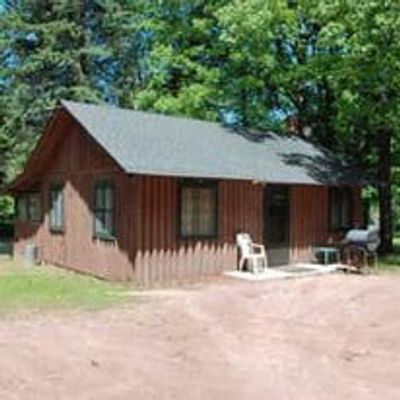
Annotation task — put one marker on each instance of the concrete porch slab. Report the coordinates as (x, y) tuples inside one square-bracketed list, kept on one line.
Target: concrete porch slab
[(285, 272)]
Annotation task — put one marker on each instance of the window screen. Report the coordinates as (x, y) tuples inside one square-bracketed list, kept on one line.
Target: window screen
[(104, 210), (22, 207), (340, 207), (56, 208), (198, 211), (28, 207)]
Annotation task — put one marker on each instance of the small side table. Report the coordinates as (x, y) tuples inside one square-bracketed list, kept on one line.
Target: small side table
[(327, 251)]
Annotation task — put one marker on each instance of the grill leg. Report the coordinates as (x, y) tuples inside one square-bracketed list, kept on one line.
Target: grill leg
[(365, 262)]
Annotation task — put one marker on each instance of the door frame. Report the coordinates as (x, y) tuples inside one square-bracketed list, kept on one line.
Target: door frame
[(271, 249)]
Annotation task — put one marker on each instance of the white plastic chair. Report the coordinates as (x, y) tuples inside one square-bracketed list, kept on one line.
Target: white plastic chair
[(253, 253)]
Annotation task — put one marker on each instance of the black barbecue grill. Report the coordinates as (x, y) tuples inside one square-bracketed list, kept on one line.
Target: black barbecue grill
[(360, 245)]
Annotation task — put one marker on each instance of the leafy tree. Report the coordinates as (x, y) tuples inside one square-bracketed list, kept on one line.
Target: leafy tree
[(183, 60), (366, 81), (49, 50), (338, 75), (247, 74)]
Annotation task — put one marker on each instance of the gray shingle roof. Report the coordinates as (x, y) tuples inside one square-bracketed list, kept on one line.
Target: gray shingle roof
[(148, 143)]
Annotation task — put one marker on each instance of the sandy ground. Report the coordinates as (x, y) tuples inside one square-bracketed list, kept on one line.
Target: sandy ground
[(330, 337)]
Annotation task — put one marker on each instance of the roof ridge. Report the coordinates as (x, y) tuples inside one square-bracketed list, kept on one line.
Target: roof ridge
[(109, 106)]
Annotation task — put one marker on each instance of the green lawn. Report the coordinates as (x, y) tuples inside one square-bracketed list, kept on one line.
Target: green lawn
[(391, 263), (45, 287)]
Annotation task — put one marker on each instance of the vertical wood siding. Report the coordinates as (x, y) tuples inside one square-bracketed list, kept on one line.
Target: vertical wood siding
[(309, 220), (77, 163), (358, 217), (162, 257)]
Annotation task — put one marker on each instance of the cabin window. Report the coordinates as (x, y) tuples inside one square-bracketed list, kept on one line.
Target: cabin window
[(104, 210), (56, 208), (28, 207), (198, 209), (340, 208), (22, 208), (34, 212)]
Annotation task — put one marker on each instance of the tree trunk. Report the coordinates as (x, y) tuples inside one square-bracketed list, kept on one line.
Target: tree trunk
[(384, 189), (84, 68)]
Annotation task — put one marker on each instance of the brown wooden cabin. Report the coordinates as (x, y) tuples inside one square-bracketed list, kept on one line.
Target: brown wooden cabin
[(127, 195)]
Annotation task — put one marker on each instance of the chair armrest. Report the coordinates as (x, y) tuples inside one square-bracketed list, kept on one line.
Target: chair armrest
[(258, 246)]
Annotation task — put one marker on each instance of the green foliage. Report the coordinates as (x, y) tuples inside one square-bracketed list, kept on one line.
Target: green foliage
[(248, 35), (6, 209), (367, 81), (391, 263), (182, 63), (48, 51)]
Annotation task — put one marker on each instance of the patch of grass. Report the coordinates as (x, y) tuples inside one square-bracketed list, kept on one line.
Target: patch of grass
[(45, 287), (391, 262)]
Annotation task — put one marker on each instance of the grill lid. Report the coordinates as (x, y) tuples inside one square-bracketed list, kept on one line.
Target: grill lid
[(368, 238)]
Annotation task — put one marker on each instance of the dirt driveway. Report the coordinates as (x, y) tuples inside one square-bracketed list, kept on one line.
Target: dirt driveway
[(332, 337)]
